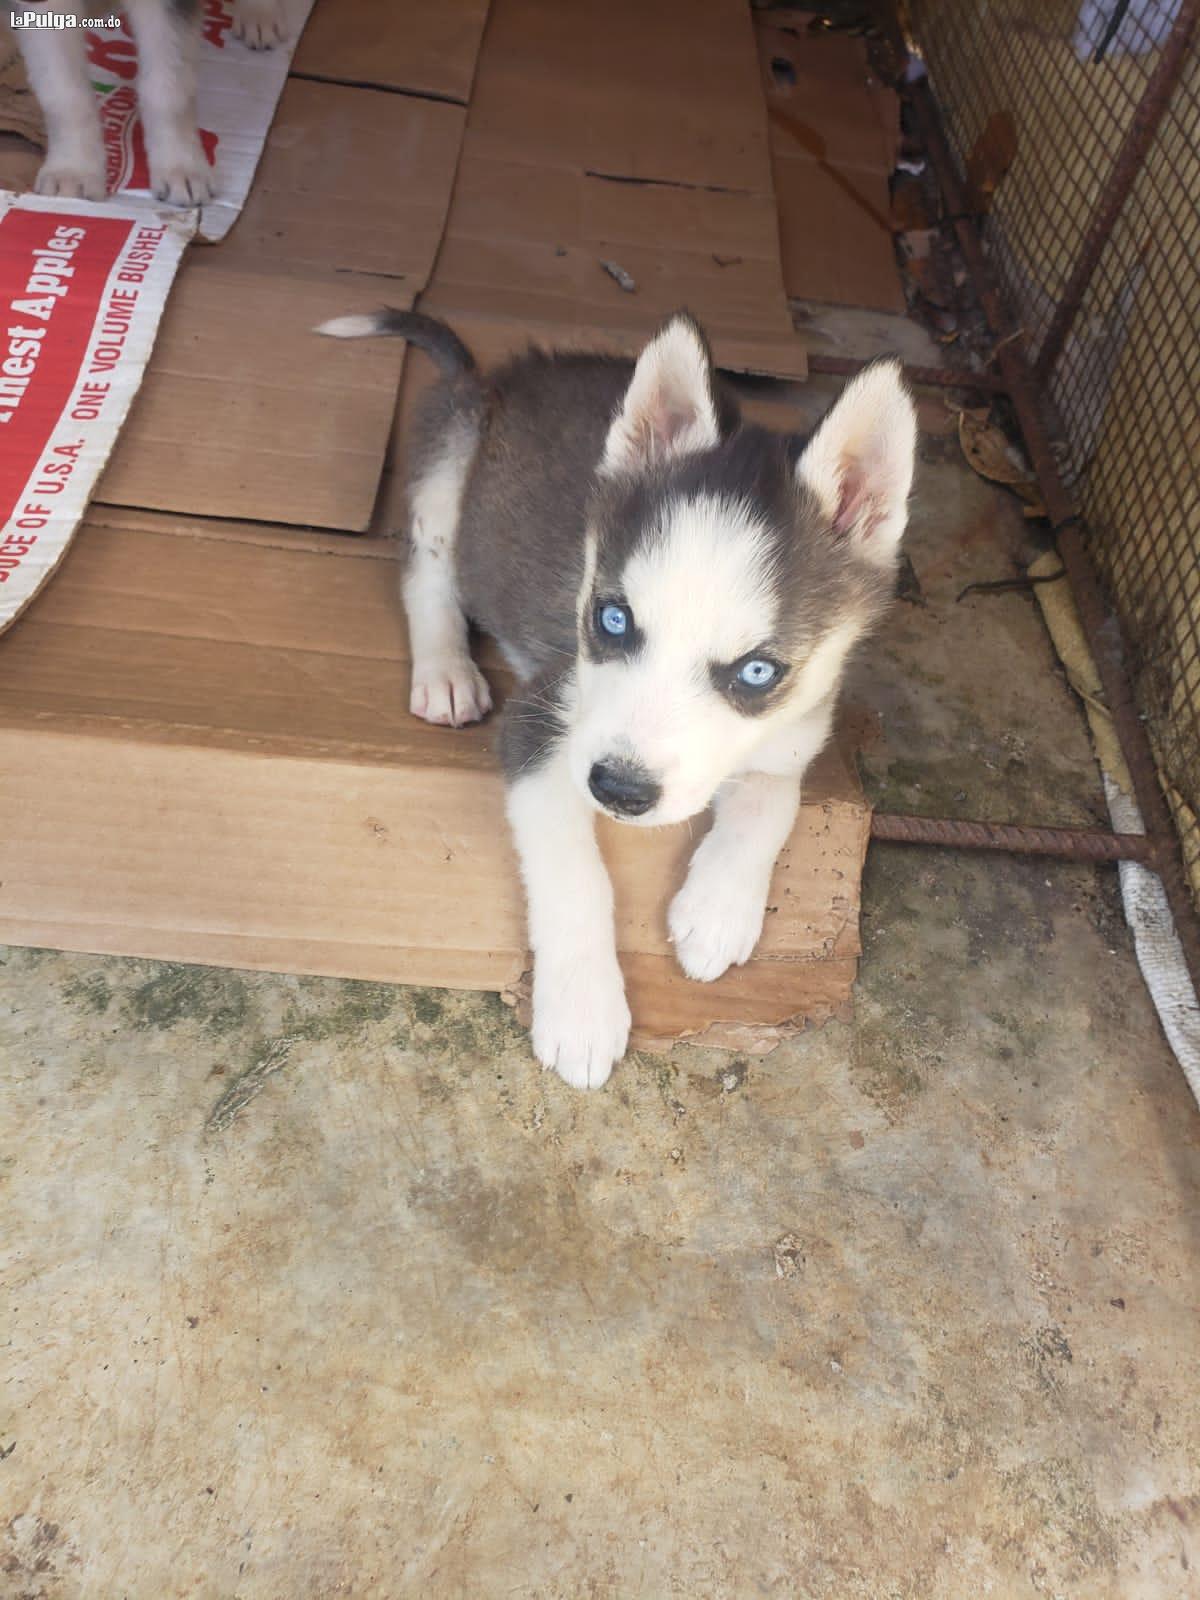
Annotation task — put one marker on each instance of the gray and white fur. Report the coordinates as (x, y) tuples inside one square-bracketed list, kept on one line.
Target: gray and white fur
[(677, 593), (166, 32)]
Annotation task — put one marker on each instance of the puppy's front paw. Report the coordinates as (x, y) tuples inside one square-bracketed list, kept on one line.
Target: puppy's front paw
[(180, 174), (450, 692), (261, 24), (81, 179), (580, 1021), (716, 918)]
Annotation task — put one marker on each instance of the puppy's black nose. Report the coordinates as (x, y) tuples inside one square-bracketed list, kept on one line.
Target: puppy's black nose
[(623, 787)]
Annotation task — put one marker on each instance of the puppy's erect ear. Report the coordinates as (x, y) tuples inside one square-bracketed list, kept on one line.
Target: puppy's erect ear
[(859, 463), (668, 409)]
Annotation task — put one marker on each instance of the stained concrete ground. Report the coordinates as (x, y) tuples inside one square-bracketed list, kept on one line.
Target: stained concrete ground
[(317, 1288)]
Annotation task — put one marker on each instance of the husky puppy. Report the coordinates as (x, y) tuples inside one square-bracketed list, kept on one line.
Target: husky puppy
[(677, 594), (166, 32)]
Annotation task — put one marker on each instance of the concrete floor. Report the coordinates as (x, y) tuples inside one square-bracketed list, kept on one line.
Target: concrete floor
[(317, 1288)]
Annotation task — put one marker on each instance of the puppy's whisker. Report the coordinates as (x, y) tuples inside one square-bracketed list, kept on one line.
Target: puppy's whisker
[(541, 749)]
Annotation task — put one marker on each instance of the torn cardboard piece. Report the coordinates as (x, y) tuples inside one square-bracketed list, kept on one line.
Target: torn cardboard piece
[(82, 286), (205, 755), (19, 109), (630, 137), (835, 137), (242, 422)]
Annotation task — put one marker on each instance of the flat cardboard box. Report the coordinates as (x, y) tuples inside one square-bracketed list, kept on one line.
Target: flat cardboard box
[(835, 138), (629, 134), (205, 755)]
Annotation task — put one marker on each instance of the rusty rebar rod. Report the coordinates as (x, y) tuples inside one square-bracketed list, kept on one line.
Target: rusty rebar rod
[(1068, 844), (1100, 625), (1156, 97), (932, 377)]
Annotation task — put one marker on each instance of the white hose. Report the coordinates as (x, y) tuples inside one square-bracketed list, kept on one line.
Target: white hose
[(1159, 953)]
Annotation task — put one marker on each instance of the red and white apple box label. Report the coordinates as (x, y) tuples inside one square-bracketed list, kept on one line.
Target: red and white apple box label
[(82, 289)]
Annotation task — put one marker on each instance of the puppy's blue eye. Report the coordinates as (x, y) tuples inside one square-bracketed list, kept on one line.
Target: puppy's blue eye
[(758, 674), (613, 620)]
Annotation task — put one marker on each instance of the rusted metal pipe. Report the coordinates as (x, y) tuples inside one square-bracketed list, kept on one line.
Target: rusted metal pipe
[(1099, 623), (933, 377), (1156, 97), (1068, 844)]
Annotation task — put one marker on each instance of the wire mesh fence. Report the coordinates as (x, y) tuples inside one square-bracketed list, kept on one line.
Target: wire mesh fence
[(1041, 99)]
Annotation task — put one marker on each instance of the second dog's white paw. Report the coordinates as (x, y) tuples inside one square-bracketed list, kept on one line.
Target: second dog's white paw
[(261, 24), (73, 179), (180, 174), (450, 692), (580, 1020), (716, 919)]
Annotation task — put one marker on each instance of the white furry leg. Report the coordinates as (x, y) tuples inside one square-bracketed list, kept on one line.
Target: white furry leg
[(261, 24), (56, 60), (447, 686), (716, 918), (167, 41), (580, 1015)]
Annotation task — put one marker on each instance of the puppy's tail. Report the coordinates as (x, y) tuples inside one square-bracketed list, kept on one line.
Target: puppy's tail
[(427, 333)]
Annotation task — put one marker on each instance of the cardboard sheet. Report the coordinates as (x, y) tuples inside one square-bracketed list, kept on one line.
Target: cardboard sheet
[(82, 287), (257, 416), (628, 134), (205, 755), (834, 133), (427, 49)]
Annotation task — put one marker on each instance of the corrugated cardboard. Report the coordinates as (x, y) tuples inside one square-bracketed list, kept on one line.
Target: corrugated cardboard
[(205, 755), (621, 133), (257, 416), (835, 133), (421, 49)]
